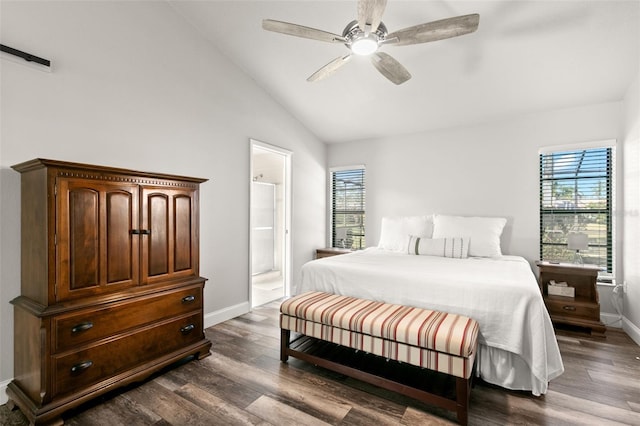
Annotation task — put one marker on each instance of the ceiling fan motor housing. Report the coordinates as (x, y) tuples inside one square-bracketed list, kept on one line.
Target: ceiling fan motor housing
[(361, 43)]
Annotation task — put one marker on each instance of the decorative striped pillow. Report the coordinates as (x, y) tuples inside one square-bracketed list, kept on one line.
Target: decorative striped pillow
[(456, 247)]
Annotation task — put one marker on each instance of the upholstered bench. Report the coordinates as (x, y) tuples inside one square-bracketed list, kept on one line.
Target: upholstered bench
[(432, 340)]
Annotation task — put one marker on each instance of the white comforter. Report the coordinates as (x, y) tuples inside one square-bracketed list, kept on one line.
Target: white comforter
[(518, 348)]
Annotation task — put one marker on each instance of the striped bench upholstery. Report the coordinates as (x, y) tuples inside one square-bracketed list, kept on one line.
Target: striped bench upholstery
[(433, 340)]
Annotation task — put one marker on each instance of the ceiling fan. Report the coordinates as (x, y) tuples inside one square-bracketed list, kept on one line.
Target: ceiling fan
[(368, 33)]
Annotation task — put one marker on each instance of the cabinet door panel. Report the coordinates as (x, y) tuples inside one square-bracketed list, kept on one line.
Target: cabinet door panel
[(158, 238), (122, 250), (84, 250), (182, 233), (95, 249), (170, 249)]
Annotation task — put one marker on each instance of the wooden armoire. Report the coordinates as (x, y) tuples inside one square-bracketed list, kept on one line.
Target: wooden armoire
[(110, 286)]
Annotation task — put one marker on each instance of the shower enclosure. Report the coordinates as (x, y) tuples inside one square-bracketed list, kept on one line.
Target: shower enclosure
[(269, 218), (264, 236)]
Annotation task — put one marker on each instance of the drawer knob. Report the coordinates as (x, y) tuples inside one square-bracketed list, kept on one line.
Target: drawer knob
[(82, 327), (82, 366), (187, 329), (188, 299), (569, 308)]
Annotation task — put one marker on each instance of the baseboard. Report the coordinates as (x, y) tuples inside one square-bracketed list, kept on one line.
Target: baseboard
[(611, 320), (216, 317), (631, 329), (3, 391)]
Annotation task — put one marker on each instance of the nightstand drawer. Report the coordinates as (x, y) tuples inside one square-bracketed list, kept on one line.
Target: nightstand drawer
[(86, 326), (105, 360), (331, 251), (582, 310), (565, 306)]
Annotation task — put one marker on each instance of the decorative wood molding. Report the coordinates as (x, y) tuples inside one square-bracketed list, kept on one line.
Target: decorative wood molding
[(88, 171), (129, 179)]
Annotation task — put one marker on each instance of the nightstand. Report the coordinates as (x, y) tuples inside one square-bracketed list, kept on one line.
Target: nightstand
[(582, 310), (331, 251)]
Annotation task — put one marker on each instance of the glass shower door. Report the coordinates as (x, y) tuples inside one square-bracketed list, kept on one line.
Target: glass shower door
[(263, 212)]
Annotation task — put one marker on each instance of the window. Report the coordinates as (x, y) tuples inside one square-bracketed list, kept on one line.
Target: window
[(576, 194), (348, 207)]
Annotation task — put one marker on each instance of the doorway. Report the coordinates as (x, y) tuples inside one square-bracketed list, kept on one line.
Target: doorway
[(269, 223)]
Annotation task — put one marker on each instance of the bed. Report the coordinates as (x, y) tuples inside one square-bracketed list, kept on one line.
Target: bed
[(517, 345)]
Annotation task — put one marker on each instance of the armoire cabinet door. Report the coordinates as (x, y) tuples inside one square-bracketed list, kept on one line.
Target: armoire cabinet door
[(169, 226), (96, 251)]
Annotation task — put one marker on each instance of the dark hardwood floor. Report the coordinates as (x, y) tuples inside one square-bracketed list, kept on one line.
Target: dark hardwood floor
[(244, 383)]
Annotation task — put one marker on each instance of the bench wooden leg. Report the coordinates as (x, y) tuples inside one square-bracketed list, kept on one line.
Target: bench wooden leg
[(285, 335), (11, 405), (463, 389)]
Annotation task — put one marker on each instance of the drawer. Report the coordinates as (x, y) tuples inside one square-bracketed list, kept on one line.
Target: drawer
[(69, 331), (72, 371), (571, 308), (328, 252)]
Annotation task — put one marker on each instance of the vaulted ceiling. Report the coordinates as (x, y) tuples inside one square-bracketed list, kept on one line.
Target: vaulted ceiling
[(525, 57)]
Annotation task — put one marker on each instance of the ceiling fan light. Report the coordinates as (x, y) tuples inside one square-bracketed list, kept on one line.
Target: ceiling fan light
[(364, 46)]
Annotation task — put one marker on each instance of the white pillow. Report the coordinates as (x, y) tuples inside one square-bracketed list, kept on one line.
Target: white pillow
[(395, 231), (456, 247), (483, 232)]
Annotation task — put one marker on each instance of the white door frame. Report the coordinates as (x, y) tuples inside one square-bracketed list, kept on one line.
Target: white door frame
[(287, 268)]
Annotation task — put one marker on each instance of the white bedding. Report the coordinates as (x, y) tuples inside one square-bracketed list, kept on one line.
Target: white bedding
[(518, 348)]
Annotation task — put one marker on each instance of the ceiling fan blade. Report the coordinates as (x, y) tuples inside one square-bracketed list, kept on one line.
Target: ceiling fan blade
[(370, 13), (301, 31), (390, 68), (329, 69), (436, 30)]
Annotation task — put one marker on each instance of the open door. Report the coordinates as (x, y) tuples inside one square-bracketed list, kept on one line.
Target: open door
[(270, 253)]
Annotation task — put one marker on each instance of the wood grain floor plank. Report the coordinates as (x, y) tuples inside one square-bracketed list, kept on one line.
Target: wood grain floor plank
[(492, 404), (519, 408), (362, 417), (618, 380), (241, 351), (414, 417), (303, 397), (330, 383), (282, 414), (232, 415), (116, 411), (171, 407), (232, 392), (256, 317), (330, 394), (233, 331), (588, 394), (568, 402), (263, 328)]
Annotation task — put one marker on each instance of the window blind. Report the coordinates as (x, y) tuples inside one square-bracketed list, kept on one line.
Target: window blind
[(576, 197), (348, 208)]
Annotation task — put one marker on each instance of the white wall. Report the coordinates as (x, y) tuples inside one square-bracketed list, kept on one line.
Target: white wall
[(631, 211), (134, 86), (485, 170)]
